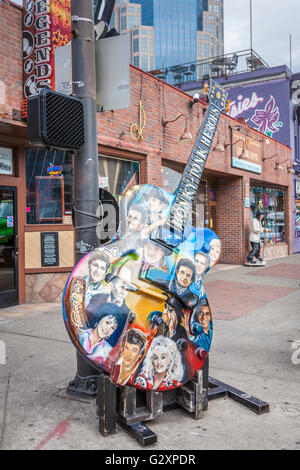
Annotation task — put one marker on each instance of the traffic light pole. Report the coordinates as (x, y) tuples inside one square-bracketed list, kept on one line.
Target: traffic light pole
[(86, 180)]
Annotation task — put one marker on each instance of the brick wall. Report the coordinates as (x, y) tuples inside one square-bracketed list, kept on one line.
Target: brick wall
[(229, 195), (11, 59)]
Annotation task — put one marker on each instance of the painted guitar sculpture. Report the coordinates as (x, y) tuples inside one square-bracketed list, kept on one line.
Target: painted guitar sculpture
[(136, 307)]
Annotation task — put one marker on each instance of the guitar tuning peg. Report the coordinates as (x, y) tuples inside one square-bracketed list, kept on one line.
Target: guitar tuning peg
[(227, 107)]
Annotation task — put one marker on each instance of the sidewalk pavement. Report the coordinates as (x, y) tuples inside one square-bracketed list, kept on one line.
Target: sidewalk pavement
[(255, 348)]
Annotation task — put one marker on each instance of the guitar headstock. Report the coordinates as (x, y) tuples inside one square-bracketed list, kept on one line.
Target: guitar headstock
[(217, 95)]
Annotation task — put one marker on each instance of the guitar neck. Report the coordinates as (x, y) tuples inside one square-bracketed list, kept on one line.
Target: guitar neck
[(190, 181)]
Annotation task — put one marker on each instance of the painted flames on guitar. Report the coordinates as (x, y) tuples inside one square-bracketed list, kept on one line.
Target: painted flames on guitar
[(136, 307)]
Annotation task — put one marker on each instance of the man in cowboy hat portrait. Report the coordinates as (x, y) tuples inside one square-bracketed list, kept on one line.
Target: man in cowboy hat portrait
[(168, 322), (119, 282), (157, 203)]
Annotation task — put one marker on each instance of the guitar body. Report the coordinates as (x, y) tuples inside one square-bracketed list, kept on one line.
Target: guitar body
[(136, 307), (146, 305)]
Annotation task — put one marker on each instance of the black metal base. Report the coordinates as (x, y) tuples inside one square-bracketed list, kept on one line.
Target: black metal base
[(129, 407), (219, 389), (85, 382), (84, 386)]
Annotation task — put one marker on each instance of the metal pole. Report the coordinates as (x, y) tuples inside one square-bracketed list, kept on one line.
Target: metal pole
[(251, 32), (86, 180), (290, 52)]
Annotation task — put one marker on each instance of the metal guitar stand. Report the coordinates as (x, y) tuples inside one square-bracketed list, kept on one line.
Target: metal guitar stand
[(130, 407)]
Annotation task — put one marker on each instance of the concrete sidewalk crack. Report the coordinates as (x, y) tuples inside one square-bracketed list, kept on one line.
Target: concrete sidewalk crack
[(34, 336), (4, 413)]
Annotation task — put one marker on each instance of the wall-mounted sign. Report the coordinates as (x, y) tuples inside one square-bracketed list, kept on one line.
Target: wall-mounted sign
[(246, 153), (46, 25), (6, 161), (263, 106), (297, 189), (103, 181), (54, 170), (247, 202), (49, 249)]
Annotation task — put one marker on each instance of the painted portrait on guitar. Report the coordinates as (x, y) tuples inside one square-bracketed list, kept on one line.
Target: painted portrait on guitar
[(162, 367), (200, 328), (136, 307), (106, 322), (131, 353)]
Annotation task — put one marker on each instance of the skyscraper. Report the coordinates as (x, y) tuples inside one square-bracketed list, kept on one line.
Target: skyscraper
[(165, 33)]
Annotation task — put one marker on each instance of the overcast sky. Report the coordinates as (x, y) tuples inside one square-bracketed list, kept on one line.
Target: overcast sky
[(272, 22)]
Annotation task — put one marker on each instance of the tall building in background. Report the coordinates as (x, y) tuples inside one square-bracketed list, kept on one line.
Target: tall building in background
[(166, 33)]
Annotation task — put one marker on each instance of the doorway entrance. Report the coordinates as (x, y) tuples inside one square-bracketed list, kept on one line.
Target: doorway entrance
[(9, 292)]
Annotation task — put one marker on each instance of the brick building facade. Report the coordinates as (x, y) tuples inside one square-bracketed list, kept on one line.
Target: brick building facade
[(155, 155)]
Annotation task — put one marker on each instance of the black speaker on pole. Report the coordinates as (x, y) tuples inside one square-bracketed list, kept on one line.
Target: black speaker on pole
[(55, 120)]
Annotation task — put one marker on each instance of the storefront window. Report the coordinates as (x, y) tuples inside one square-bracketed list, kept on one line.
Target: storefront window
[(200, 214), (49, 180), (117, 176), (271, 201)]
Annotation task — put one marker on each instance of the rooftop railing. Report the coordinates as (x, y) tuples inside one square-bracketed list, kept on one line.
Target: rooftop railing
[(219, 66)]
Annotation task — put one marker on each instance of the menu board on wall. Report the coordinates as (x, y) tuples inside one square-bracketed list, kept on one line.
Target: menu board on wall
[(49, 249)]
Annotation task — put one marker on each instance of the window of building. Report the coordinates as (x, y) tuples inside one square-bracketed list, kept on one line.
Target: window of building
[(136, 60), (206, 50), (135, 32), (123, 10), (144, 62), (118, 175), (271, 201), (211, 28), (123, 22), (151, 63), (217, 9), (135, 45), (144, 44), (49, 181), (131, 21)]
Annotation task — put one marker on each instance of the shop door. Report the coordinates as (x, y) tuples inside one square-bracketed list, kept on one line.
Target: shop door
[(8, 247)]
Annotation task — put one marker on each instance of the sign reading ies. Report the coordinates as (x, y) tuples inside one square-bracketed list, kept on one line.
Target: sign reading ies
[(46, 25)]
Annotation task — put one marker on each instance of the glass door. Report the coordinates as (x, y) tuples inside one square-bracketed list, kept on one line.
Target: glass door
[(8, 247)]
